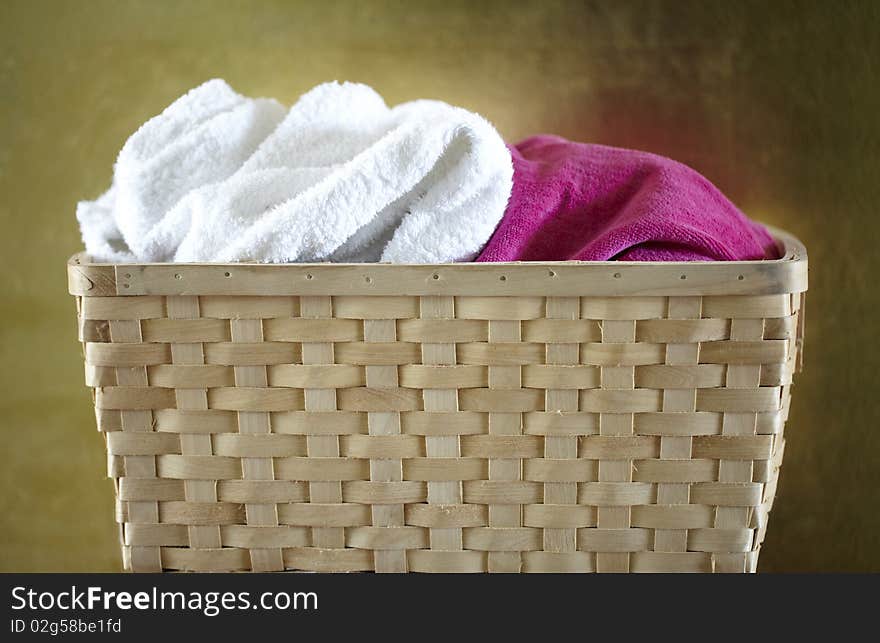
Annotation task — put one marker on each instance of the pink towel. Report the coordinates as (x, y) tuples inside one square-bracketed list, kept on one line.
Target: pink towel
[(597, 203)]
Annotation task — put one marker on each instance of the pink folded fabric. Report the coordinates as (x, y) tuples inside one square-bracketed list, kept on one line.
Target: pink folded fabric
[(598, 203)]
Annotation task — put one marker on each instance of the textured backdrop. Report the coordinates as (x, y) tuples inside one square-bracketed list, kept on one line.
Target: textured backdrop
[(777, 104)]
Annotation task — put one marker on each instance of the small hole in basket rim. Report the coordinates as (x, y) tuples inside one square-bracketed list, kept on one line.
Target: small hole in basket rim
[(552, 273), (309, 276), (126, 286), (128, 275), (177, 275), (369, 280), (226, 274), (617, 275), (683, 277), (503, 278), (435, 276), (741, 277)]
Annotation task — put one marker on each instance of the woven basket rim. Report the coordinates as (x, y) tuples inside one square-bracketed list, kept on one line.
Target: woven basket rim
[(787, 274)]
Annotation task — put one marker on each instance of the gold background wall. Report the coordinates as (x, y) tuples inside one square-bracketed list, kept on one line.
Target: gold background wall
[(777, 103)]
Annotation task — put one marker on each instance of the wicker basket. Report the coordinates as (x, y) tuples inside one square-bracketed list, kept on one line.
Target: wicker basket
[(528, 417)]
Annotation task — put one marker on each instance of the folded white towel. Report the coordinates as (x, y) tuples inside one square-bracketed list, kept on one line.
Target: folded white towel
[(340, 177)]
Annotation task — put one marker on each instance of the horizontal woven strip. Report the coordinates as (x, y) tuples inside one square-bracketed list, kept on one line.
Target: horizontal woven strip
[(487, 400), (527, 447), (548, 423), (551, 331), (335, 560), (405, 353)]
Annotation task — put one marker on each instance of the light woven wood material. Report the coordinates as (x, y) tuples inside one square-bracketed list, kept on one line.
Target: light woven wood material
[(534, 417)]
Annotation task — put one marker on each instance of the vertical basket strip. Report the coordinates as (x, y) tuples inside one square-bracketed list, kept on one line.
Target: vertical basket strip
[(558, 417)]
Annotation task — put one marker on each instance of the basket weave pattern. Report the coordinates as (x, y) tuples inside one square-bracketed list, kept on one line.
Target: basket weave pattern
[(441, 432)]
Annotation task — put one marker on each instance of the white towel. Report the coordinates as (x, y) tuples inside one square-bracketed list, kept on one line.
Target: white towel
[(340, 177)]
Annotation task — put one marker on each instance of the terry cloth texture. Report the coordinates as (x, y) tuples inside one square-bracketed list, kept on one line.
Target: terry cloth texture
[(597, 203), (219, 177)]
